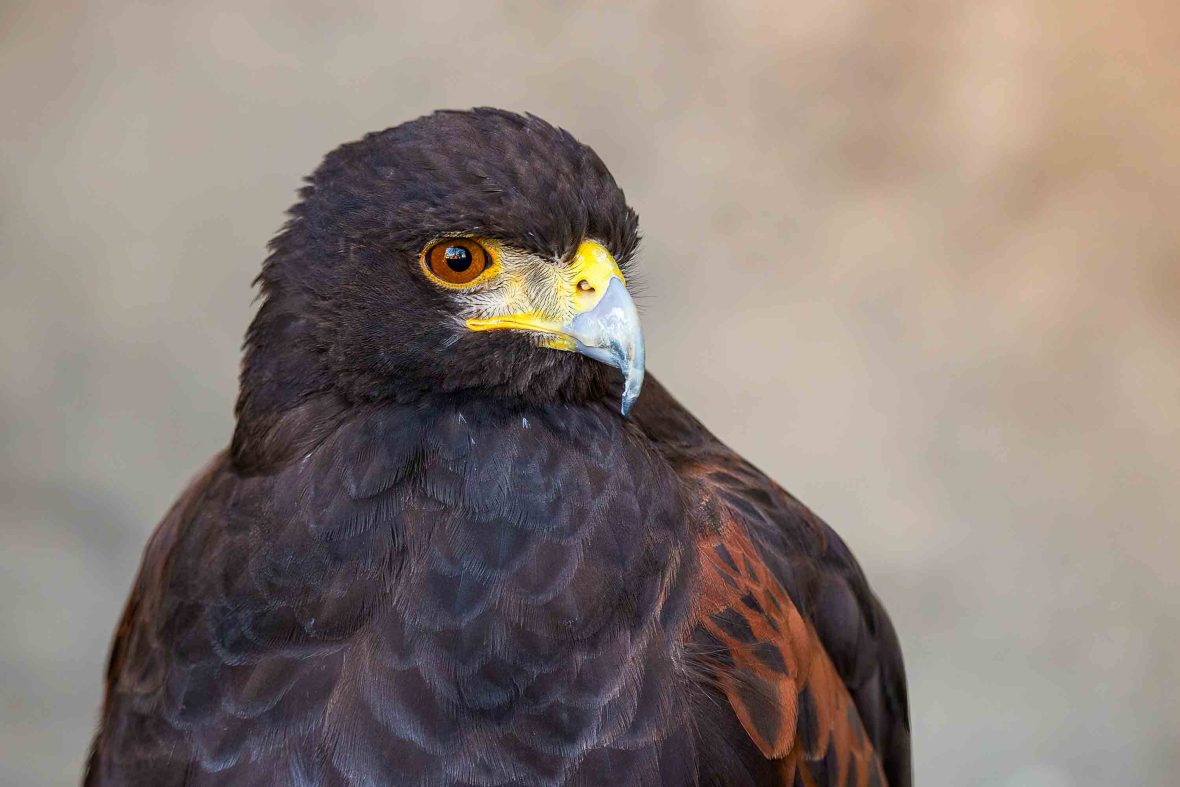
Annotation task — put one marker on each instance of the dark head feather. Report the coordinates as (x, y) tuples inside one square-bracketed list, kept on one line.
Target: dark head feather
[(346, 315)]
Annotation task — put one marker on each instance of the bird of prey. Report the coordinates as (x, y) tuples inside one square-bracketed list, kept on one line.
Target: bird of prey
[(457, 540)]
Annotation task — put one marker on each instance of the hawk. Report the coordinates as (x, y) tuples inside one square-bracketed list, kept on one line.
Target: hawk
[(456, 539)]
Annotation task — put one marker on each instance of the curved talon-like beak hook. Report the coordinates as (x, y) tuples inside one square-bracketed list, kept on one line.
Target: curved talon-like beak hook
[(610, 333), (592, 315)]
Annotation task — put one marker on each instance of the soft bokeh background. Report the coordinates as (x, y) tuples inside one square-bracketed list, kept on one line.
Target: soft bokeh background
[(919, 260)]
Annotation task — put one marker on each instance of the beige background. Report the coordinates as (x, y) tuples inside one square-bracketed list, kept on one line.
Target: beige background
[(919, 260)]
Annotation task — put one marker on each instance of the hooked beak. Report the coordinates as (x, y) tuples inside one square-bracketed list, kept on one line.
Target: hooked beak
[(592, 314)]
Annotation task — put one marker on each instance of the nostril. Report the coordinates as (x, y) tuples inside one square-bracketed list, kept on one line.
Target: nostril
[(585, 286)]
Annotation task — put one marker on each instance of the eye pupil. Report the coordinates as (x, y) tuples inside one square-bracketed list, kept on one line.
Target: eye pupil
[(458, 258)]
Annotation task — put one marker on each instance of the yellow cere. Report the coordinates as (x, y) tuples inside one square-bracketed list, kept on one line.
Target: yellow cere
[(580, 287)]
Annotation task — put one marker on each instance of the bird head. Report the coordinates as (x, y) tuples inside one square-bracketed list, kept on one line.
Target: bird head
[(462, 252)]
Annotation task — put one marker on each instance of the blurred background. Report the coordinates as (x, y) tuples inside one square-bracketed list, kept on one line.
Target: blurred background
[(918, 260)]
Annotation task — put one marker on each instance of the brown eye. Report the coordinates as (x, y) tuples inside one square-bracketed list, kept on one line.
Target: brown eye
[(457, 261)]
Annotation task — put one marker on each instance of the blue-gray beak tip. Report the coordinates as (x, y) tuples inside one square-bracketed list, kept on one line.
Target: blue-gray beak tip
[(610, 333)]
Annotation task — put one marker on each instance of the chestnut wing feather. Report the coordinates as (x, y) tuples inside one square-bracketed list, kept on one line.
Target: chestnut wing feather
[(787, 631)]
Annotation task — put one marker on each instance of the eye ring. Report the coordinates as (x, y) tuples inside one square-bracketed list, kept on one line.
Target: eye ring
[(457, 262)]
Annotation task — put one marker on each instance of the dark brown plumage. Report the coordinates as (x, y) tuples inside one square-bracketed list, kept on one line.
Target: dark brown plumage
[(435, 555)]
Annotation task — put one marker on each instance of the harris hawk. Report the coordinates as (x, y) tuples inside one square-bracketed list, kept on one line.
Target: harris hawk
[(437, 550)]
